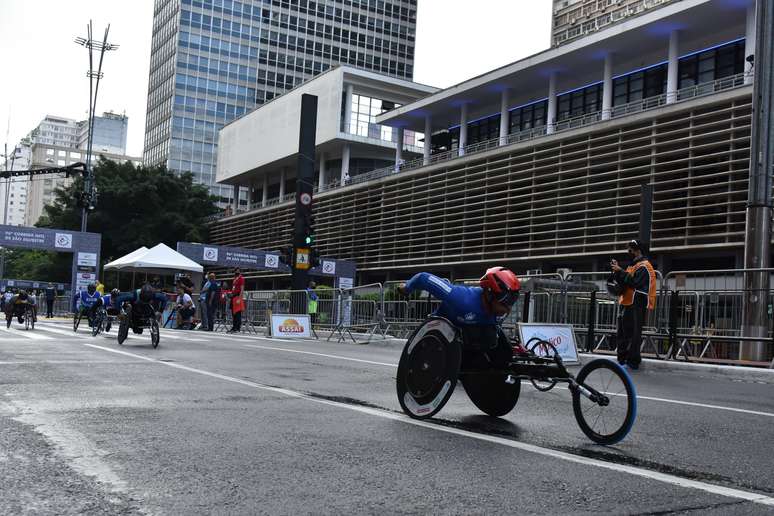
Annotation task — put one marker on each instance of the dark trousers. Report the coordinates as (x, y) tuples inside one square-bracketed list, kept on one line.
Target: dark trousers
[(210, 316), (237, 321), (630, 323), (49, 308)]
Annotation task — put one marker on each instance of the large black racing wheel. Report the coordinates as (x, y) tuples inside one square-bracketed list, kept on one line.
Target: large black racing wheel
[(490, 392), (604, 402), (76, 320), (428, 368), (154, 332), (29, 319)]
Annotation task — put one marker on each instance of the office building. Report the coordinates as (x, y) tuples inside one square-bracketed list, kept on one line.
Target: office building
[(213, 61), (538, 164), (110, 132), (573, 19), (260, 150)]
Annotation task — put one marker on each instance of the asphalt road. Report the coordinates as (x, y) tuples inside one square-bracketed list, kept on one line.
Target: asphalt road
[(210, 423)]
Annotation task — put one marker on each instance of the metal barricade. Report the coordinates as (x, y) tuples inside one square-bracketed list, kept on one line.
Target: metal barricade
[(259, 304), (714, 328), (359, 310)]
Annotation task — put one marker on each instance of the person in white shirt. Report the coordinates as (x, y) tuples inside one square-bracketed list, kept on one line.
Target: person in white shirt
[(185, 310)]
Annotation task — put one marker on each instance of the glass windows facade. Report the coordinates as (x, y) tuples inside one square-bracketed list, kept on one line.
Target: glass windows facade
[(215, 60), (698, 68)]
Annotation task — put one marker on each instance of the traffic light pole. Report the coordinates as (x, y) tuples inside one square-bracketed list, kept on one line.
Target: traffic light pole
[(757, 246), (303, 234)]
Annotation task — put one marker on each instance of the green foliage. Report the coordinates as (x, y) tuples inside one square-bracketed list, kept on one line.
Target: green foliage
[(136, 206), (37, 265)]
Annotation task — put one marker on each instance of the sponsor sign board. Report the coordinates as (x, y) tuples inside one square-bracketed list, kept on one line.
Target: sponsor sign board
[(290, 326), (87, 259), (560, 335)]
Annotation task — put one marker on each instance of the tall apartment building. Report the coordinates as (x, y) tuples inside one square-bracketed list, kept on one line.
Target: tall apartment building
[(41, 190), (574, 19), (212, 61), (13, 190)]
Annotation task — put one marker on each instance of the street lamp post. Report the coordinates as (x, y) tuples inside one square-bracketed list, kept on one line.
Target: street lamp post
[(94, 77)]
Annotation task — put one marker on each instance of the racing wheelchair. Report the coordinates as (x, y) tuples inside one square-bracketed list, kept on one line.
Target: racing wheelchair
[(604, 399), (24, 312), (138, 316)]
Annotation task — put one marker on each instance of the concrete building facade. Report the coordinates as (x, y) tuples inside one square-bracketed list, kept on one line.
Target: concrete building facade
[(538, 164), (259, 150), (213, 61)]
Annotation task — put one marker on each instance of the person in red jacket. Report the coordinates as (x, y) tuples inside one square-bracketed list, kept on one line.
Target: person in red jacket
[(237, 303)]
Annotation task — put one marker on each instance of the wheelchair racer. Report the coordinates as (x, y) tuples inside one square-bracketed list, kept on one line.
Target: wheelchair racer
[(17, 306), (112, 311), (475, 311), (146, 295), (87, 302)]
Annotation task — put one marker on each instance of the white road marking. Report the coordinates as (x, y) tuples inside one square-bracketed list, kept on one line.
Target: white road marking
[(60, 331), (622, 468), (29, 334), (639, 397), (320, 355)]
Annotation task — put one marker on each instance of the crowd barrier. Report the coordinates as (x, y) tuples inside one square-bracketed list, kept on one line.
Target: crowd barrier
[(699, 315)]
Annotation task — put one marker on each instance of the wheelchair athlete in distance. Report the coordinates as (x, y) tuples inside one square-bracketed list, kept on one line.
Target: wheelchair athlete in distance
[(21, 306), (86, 303), (463, 341), (141, 309)]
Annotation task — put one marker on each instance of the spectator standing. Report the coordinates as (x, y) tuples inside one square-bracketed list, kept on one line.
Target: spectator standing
[(50, 297), (237, 303), (203, 305), (639, 296), (213, 300), (311, 302)]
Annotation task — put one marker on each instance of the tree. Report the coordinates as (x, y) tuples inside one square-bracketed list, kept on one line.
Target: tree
[(136, 206)]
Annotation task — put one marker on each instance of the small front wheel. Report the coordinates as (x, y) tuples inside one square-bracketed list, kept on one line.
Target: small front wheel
[(123, 331), (154, 331), (604, 401)]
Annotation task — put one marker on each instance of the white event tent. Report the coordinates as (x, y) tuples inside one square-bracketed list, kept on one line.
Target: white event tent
[(160, 259)]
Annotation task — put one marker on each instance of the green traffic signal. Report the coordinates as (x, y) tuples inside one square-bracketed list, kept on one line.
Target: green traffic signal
[(309, 239)]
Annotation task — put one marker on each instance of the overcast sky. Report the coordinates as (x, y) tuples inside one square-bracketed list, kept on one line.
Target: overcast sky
[(44, 71)]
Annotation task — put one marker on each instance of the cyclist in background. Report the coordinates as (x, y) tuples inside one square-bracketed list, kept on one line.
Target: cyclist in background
[(88, 301)]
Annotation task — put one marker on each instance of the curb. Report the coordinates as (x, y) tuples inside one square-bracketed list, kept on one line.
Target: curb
[(726, 371)]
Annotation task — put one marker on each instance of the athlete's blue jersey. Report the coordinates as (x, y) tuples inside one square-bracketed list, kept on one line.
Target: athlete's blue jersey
[(106, 300), (460, 304), (88, 300)]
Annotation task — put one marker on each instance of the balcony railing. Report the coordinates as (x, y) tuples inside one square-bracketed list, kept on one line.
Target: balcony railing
[(370, 131), (690, 92)]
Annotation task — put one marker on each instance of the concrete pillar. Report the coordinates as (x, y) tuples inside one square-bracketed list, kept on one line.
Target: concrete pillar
[(428, 141), (283, 178), (235, 200), (505, 122), (463, 128), (551, 115), (749, 43), (398, 148), (607, 88), (265, 189), (672, 67), (345, 152), (321, 181), (348, 92)]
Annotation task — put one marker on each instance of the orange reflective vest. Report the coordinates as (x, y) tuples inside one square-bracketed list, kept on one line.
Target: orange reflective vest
[(627, 298)]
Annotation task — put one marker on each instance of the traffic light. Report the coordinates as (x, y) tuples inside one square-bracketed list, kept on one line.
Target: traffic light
[(83, 200), (309, 229), (314, 258)]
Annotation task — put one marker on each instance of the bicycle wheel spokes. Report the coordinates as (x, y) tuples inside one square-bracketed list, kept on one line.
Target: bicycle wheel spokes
[(607, 420)]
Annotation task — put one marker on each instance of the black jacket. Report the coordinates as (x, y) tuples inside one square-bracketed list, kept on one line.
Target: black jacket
[(639, 281)]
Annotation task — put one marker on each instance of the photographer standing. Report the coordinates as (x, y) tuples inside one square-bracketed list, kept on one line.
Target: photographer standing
[(639, 295)]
